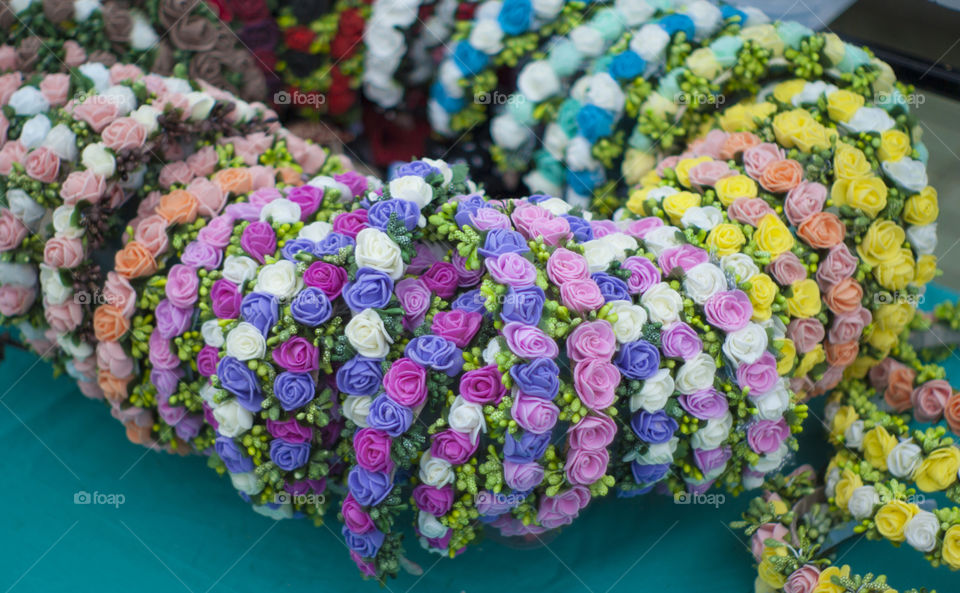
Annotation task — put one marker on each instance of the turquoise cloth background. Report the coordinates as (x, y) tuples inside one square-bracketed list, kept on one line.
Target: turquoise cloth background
[(183, 528)]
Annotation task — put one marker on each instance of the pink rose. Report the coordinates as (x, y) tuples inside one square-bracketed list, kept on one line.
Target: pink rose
[(595, 382), (8, 57), (602, 228), (930, 399), (512, 269), (217, 232), (804, 201), (15, 299), (453, 446), (61, 252), (847, 327), (42, 164), (766, 436), (74, 55), (830, 379), (54, 88), (262, 177), (591, 340), (766, 531), (203, 162), (756, 158), (210, 198), (879, 374), (525, 215), (553, 230), (581, 296), (565, 265), (667, 163), (710, 172), (710, 145), (124, 133), (10, 153), (118, 292), (787, 269), (586, 466), (149, 204), (373, 450), (82, 186), (457, 326), (522, 477), (12, 230), (639, 228), (487, 219), (98, 111), (63, 318), (182, 286), (4, 127), (643, 273), (175, 172), (529, 342), (802, 580), (112, 358), (593, 432), (534, 414), (9, 84), (684, 256), (152, 234), (806, 333), (563, 508), (121, 72), (749, 210), (838, 265)]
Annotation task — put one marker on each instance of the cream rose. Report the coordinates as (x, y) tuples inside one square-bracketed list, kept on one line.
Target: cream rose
[(281, 211), (25, 208), (703, 281), (279, 279), (247, 482), (434, 471), (712, 434), (212, 333), (245, 342), (375, 249), (922, 531), (662, 303), (772, 405), (904, 458), (232, 419), (98, 159), (745, 345), (366, 334), (696, 374), (430, 526), (655, 392), (862, 501), (356, 408), (650, 42), (466, 417), (740, 265), (239, 269), (630, 319), (412, 188), (661, 238), (315, 231)]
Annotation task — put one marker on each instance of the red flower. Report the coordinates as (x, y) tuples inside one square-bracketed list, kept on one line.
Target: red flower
[(340, 97), (221, 9), (465, 11), (349, 34), (392, 141), (299, 38), (250, 10)]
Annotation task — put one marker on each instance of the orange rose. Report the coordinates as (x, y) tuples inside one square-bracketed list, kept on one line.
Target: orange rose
[(736, 143), (237, 180), (178, 207), (133, 261), (289, 176), (781, 176), (844, 296), (899, 388), (951, 412), (823, 230), (137, 434), (114, 388), (109, 324), (843, 354)]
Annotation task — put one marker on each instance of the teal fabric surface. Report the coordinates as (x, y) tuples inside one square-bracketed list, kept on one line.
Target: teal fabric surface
[(182, 528)]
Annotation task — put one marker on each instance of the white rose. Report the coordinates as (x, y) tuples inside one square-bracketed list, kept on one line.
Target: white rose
[(588, 41), (555, 140), (239, 269), (537, 81), (34, 131), (73, 347), (147, 116), (281, 211), (82, 9), (650, 42), (445, 171), (279, 279), (662, 303), (232, 419), (740, 265), (772, 405), (199, 104), (62, 142), (401, 14), (578, 92), (177, 85), (547, 9), (210, 394), (54, 289), (812, 91), (922, 531), (325, 182), (247, 482), (356, 408), (853, 436), (413, 188), (23, 207), (277, 513), (659, 453), (923, 238), (508, 133), (438, 117), (491, 351), (755, 16), (142, 35), (430, 526), (705, 217), (907, 172), (870, 119), (98, 75), (605, 92), (538, 183), (487, 36), (634, 12), (366, 334), (830, 486), (579, 155), (434, 471), (655, 392), (621, 243), (712, 434), (315, 231), (375, 249), (555, 206), (212, 333), (630, 319), (659, 193), (771, 461), (98, 159), (829, 412), (577, 200), (467, 417), (122, 97), (904, 458), (705, 16), (752, 482), (63, 222), (745, 345), (488, 10), (20, 274), (599, 254), (245, 342), (450, 76), (703, 281), (696, 374), (28, 100), (382, 89), (385, 47), (661, 238), (862, 500)]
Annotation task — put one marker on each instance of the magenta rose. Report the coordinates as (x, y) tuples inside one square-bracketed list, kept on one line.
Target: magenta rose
[(297, 355), (643, 273), (534, 414), (766, 436), (749, 210), (482, 386), (806, 333), (207, 360), (728, 310), (327, 277), (406, 383), (680, 341), (512, 269), (290, 431), (259, 240), (756, 158), (595, 382), (356, 519), (591, 340), (458, 326), (225, 299), (307, 197), (453, 446), (217, 232), (522, 477), (565, 265), (593, 432), (372, 447), (683, 256), (804, 201), (529, 342), (760, 376), (838, 265), (639, 228), (787, 269), (436, 501), (930, 399), (442, 279), (350, 223), (581, 296)]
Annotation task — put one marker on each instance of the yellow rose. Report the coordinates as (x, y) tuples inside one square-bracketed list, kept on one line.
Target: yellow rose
[(637, 199), (813, 136), (703, 63), (779, 507), (951, 547), (725, 238), (788, 350), (651, 179), (877, 444), (844, 417), (894, 145), (886, 78), (881, 242), (810, 360), (785, 91), (763, 109), (842, 104), (733, 187), (795, 128), (868, 194), (848, 482), (636, 164), (893, 316), (737, 118), (882, 339), (850, 163), (939, 470), (658, 105), (765, 36), (860, 367), (805, 300), (896, 273), (892, 517), (773, 236), (834, 48), (922, 208), (676, 204), (762, 291), (683, 167), (769, 575), (825, 582), (926, 269)]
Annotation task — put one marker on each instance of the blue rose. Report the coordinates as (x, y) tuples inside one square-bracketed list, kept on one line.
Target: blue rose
[(540, 377), (731, 12), (417, 168), (515, 16), (294, 246), (360, 376), (627, 65), (466, 208), (537, 198), (439, 94), (673, 23), (567, 116), (311, 307), (407, 212), (548, 166), (371, 289), (611, 287), (260, 310), (369, 488), (294, 390), (648, 474), (524, 305), (500, 241), (332, 244), (638, 360), (582, 231), (529, 447), (389, 416), (653, 427), (633, 492), (232, 456), (594, 122), (366, 545), (435, 353), (471, 301), (237, 378), (469, 59), (289, 456), (583, 182)]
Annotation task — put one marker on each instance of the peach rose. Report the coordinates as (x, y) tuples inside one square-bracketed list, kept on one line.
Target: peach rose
[(12, 230), (787, 269), (203, 162), (112, 358), (822, 230), (54, 88), (175, 172), (736, 143), (16, 300), (842, 354), (42, 164), (109, 323), (289, 176), (930, 399), (82, 186), (134, 260), (90, 389), (781, 176), (178, 207), (118, 292), (756, 158), (74, 55), (98, 111), (237, 180), (844, 296), (951, 412), (138, 435), (62, 252), (806, 333), (749, 210), (900, 387), (804, 201), (11, 152), (122, 72), (114, 388), (124, 133), (210, 198), (261, 177), (65, 317), (152, 234)]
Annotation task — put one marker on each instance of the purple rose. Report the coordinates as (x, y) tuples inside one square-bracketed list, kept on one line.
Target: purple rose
[(217, 232), (500, 241), (436, 501), (466, 277), (482, 386), (442, 279), (297, 354), (259, 240), (237, 378), (366, 545), (648, 474), (728, 310), (290, 431), (332, 244), (512, 269), (680, 341), (198, 254), (289, 456), (602, 228), (207, 360), (416, 168), (471, 301), (356, 182), (389, 416), (522, 476), (638, 360), (469, 205), (260, 310), (293, 247), (371, 289), (529, 342), (582, 231), (311, 307), (684, 256), (643, 273), (161, 356), (436, 353), (263, 196), (422, 261), (415, 299), (372, 447), (172, 321), (529, 447), (523, 305), (539, 378), (294, 390), (705, 404), (653, 427), (369, 488), (611, 287), (534, 414), (307, 197), (225, 299), (488, 219), (453, 446), (709, 460), (243, 211), (232, 456), (359, 376), (189, 426), (766, 436), (760, 376), (404, 211)]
